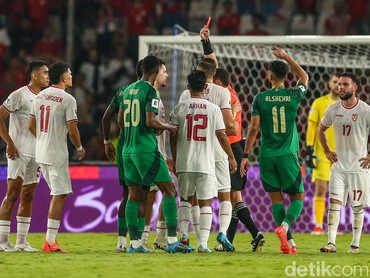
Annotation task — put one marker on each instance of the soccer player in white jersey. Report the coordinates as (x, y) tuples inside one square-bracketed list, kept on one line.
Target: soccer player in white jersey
[(221, 97), (349, 177), (23, 171), (53, 115), (199, 121)]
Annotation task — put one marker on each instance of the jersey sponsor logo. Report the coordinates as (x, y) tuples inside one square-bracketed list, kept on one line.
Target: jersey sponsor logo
[(155, 103), (338, 115), (354, 117)]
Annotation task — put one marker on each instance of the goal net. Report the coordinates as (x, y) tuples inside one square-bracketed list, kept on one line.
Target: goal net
[(247, 58)]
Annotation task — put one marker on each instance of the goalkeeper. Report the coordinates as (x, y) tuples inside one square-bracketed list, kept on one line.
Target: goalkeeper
[(315, 157)]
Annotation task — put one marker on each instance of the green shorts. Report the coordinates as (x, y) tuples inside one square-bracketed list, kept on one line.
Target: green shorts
[(119, 158), (145, 169), (281, 174)]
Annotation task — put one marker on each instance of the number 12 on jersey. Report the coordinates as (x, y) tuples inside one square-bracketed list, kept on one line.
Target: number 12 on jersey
[(194, 124)]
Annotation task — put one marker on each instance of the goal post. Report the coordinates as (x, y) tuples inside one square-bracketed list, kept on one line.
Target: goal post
[(247, 57)]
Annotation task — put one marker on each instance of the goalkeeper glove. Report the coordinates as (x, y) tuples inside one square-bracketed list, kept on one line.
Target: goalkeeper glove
[(310, 157)]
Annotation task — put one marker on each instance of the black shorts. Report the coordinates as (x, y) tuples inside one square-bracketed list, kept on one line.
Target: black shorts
[(237, 182)]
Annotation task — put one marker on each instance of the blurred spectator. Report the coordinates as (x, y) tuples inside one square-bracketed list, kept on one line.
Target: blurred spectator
[(49, 47), (169, 13), (139, 19), (38, 12), (268, 8), (93, 70), (339, 23), (304, 17), (23, 37), (301, 24), (119, 70), (228, 22), (4, 36), (107, 25), (358, 11), (257, 29), (246, 7)]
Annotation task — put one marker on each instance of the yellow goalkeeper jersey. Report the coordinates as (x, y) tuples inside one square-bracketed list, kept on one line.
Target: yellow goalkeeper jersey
[(314, 118)]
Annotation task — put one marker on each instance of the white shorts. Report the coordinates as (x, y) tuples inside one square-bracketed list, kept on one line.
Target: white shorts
[(200, 183), (223, 181), (57, 178), (25, 167), (355, 186)]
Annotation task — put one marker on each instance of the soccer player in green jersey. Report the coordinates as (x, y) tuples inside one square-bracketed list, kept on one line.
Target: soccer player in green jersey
[(273, 114), (113, 155), (143, 163)]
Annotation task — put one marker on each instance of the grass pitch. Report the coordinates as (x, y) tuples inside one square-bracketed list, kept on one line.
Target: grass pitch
[(93, 255)]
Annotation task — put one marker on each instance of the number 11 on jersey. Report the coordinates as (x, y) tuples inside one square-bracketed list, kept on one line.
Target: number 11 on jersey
[(275, 119)]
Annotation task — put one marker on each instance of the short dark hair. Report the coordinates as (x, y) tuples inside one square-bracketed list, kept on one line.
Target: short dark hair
[(35, 65), (207, 65), (353, 76), (161, 62), (56, 71), (139, 73), (223, 75), (279, 69), (150, 64), (337, 74), (197, 79)]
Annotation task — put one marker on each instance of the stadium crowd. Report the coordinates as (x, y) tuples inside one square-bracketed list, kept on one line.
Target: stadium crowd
[(106, 39)]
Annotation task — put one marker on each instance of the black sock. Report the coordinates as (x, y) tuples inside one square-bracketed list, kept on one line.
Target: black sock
[(244, 216), (232, 227)]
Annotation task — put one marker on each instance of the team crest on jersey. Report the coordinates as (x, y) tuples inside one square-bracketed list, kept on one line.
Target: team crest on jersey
[(155, 103), (354, 117)]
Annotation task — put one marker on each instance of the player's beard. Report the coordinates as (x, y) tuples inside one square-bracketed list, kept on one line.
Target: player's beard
[(347, 96)]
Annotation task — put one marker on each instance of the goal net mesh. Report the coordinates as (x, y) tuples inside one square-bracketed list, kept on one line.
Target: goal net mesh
[(248, 63)]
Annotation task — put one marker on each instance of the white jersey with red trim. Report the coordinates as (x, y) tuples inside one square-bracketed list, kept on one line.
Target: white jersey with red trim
[(161, 139), (53, 109), (19, 104), (221, 97), (198, 121), (351, 131)]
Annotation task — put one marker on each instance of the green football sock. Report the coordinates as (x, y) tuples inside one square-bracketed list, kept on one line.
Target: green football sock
[(122, 226), (170, 215), (278, 213), (132, 210), (140, 225), (293, 212)]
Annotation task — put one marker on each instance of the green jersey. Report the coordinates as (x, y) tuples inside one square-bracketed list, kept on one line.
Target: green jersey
[(140, 97), (277, 109), (115, 104)]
